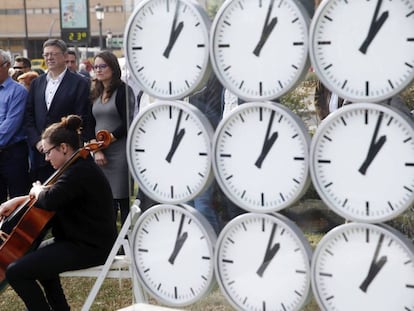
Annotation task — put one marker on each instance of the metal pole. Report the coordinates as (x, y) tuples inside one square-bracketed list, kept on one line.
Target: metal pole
[(100, 15), (100, 35), (26, 37)]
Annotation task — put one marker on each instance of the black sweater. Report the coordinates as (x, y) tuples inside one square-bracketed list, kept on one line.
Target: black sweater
[(82, 200)]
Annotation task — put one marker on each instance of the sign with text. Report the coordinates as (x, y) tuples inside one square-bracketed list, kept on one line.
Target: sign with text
[(74, 21)]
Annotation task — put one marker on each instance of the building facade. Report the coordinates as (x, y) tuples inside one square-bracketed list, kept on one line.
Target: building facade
[(26, 24)]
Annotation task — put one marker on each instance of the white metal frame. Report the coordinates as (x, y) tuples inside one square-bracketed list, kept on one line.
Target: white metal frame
[(116, 266)]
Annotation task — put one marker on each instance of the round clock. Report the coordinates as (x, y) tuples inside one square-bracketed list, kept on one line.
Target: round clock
[(173, 254), (261, 156), (363, 50), (168, 151), (259, 49), (364, 267), (362, 162), (263, 263), (167, 47)]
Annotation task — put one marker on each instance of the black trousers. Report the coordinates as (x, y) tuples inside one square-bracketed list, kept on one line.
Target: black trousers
[(14, 171), (41, 268)]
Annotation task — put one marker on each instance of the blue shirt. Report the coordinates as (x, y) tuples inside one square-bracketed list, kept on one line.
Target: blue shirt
[(12, 108)]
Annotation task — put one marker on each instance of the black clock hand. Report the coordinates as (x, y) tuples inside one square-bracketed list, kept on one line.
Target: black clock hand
[(175, 32), (179, 242), (271, 251), (268, 142), (376, 24), (178, 136), (375, 266), (374, 147), (267, 30)]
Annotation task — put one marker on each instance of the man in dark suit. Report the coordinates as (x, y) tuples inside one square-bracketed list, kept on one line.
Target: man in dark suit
[(52, 96)]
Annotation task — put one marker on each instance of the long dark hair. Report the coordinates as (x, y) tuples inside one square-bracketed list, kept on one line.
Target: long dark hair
[(110, 59)]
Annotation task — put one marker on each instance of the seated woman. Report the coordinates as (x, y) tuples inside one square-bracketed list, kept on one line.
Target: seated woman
[(83, 226)]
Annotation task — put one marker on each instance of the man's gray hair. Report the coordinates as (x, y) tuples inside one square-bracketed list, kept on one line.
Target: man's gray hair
[(5, 56), (56, 42)]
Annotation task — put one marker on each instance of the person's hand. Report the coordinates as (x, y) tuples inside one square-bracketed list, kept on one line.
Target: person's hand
[(36, 189), (100, 158), (9, 206)]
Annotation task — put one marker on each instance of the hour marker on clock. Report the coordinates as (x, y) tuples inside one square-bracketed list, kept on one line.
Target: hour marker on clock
[(324, 42), (325, 274), (327, 67), (323, 161), (328, 18)]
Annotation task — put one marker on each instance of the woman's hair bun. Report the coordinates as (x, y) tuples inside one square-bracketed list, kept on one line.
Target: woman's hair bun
[(72, 122)]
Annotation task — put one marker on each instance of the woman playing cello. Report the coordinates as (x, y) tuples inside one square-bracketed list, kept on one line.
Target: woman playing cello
[(83, 226)]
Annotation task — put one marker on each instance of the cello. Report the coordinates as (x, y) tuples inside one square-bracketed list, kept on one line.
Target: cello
[(20, 230)]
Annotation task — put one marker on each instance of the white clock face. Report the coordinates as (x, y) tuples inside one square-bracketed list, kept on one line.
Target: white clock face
[(363, 267), (173, 254), (364, 50), (362, 162), (167, 47), (261, 156), (260, 48), (263, 263), (168, 151)]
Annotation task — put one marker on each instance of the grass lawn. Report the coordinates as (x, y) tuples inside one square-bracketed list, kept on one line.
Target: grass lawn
[(117, 293)]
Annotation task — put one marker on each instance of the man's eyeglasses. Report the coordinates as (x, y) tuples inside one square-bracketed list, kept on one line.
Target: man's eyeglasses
[(100, 66), (47, 152), (52, 54), (3, 63), (19, 67)]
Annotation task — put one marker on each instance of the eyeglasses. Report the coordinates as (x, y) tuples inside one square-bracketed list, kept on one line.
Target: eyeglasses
[(3, 63), (100, 66), (52, 54), (19, 67), (47, 152)]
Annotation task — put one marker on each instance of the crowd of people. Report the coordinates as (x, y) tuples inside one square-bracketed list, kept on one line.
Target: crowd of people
[(46, 119)]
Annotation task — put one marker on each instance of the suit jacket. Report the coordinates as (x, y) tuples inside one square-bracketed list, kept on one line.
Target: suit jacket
[(322, 98), (72, 97), (208, 100)]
